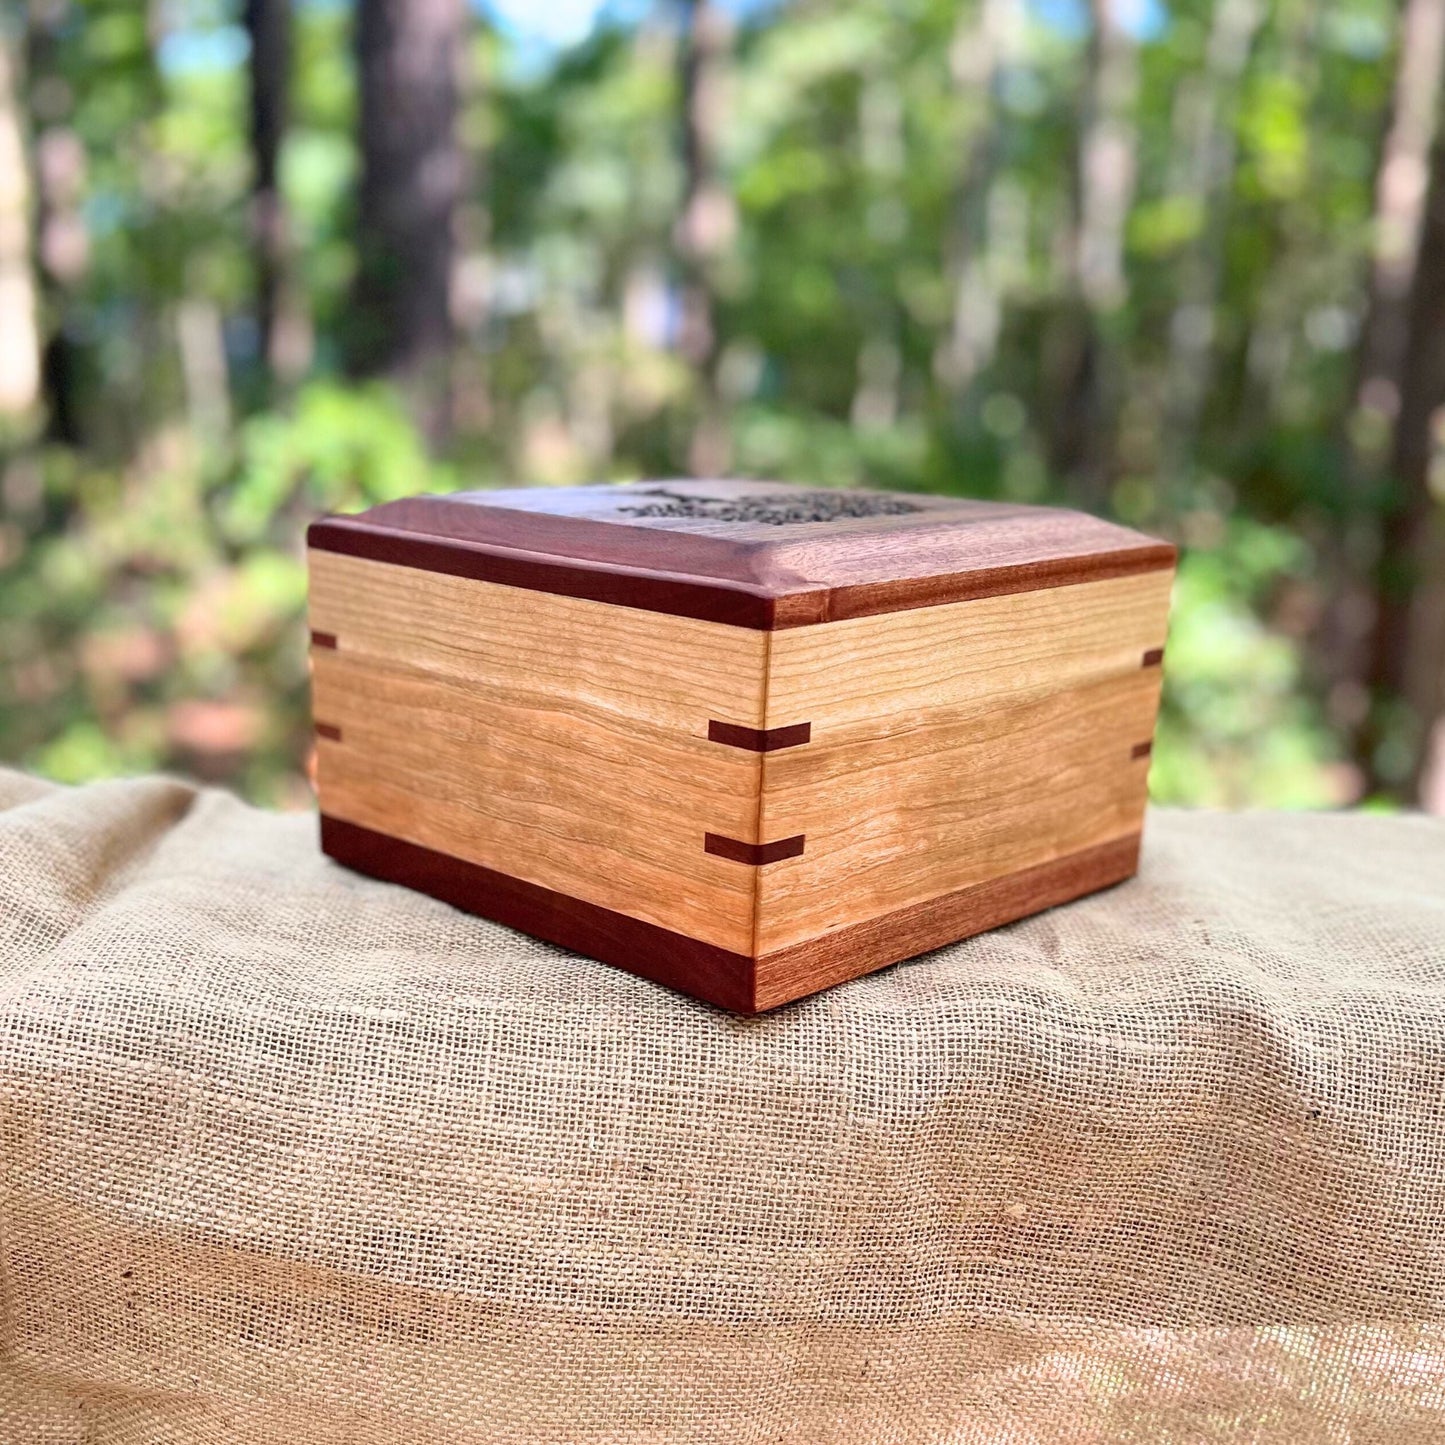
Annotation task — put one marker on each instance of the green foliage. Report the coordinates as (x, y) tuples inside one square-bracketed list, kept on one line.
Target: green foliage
[(339, 449), (154, 613), (895, 306), (1236, 727)]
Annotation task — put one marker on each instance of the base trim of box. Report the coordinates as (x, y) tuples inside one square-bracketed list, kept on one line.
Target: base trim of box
[(730, 980), (832, 958), (701, 969)]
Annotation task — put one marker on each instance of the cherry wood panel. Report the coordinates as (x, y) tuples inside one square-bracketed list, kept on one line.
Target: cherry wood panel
[(860, 948), (728, 980), (701, 969), (558, 741), (597, 543), (954, 745), (868, 756), (568, 653)]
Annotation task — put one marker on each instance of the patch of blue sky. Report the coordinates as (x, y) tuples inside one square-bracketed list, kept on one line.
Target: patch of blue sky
[(199, 49), (1144, 19), (538, 30)]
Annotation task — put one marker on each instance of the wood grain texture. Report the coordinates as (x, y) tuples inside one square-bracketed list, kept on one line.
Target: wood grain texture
[(586, 542), (952, 746), (888, 938), (700, 969), (730, 603), (729, 980), (832, 778), (559, 741)]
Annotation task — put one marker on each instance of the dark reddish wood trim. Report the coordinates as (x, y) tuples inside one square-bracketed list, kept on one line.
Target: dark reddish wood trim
[(755, 853), (323, 639), (759, 740), (766, 606), (1141, 750), (794, 973), (328, 730), (699, 969), (867, 599), (1153, 658), (712, 601), (729, 980)]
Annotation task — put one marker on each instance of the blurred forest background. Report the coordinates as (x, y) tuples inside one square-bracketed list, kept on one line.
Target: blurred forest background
[(1177, 261)]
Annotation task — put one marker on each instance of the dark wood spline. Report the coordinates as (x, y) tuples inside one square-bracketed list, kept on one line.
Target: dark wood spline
[(328, 730), (323, 639), (759, 740), (755, 853), (1141, 750), (1153, 658)]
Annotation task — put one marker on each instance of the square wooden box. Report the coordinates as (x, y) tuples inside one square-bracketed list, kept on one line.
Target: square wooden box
[(744, 739)]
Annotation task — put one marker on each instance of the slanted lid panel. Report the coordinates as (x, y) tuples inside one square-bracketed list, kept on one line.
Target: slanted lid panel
[(581, 523), (802, 555), (722, 507), (955, 555)]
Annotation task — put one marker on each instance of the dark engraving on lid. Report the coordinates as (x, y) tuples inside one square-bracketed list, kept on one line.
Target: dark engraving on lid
[(784, 509)]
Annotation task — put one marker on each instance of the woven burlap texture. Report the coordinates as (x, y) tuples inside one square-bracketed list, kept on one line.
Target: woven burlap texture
[(293, 1156)]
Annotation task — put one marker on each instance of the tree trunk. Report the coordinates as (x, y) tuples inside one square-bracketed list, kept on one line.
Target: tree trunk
[(1105, 168), (284, 328), (1400, 190), (408, 56), (880, 357), (1408, 654), (470, 402), (1377, 560), (982, 49), (1294, 60), (62, 243), (1204, 172), (706, 222), (19, 330)]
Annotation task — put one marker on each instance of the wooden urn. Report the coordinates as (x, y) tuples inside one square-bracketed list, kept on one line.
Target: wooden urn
[(745, 739)]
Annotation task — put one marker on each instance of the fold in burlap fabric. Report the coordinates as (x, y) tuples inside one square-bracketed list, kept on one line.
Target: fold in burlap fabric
[(292, 1156)]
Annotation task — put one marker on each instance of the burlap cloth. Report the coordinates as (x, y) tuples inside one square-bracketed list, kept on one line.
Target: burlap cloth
[(291, 1156)]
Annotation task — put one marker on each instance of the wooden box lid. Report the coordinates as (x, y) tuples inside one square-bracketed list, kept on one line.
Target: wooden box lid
[(752, 554)]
